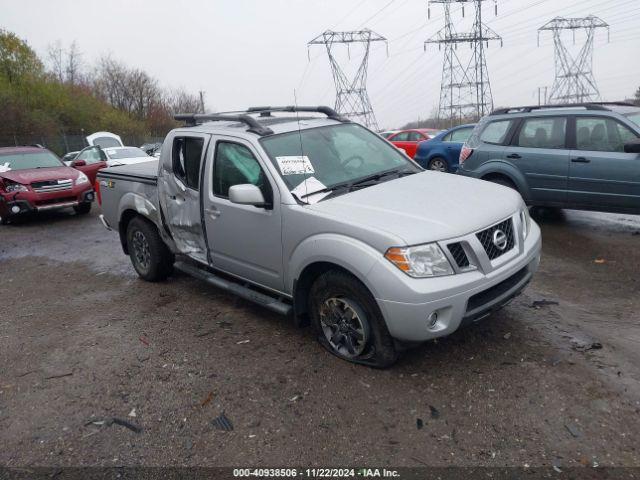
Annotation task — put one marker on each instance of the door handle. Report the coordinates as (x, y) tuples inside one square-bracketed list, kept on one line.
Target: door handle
[(580, 160), (212, 212), (514, 155)]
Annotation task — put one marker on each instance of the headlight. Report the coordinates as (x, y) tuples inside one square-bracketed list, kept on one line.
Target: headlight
[(525, 221), (15, 187), (82, 178), (420, 261)]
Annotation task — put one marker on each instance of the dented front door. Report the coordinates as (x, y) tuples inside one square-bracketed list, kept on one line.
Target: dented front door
[(179, 191)]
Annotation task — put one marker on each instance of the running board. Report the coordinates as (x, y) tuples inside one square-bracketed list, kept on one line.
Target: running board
[(241, 291)]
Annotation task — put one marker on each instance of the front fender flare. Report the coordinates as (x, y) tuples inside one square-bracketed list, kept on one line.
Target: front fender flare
[(353, 255)]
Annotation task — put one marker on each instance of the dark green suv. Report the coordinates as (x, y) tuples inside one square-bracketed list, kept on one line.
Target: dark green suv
[(583, 156)]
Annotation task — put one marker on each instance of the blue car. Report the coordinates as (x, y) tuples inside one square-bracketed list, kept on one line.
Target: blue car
[(441, 153)]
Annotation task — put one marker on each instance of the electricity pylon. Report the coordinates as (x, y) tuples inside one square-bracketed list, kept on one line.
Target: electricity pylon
[(574, 81), (465, 90), (352, 99)]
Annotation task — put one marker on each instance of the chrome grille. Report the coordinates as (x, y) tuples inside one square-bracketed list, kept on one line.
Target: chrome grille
[(52, 186), (486, 239), (458, 254)]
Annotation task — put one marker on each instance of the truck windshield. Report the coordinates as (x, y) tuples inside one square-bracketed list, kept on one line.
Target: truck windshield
[(27, 160), (332, 155)]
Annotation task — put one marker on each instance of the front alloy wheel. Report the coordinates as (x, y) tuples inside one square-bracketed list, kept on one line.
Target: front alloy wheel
[(344, 326)]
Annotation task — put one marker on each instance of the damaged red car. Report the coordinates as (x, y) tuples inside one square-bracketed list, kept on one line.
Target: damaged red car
[(33, 179)]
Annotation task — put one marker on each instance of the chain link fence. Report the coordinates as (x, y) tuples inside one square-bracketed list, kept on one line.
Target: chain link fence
[(64, 143)]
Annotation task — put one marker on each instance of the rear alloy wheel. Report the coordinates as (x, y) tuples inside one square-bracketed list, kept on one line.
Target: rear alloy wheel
[(348, 322), (438, 165), (150, 256)]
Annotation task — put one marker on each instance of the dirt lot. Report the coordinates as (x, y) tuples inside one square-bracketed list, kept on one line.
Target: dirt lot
[(82, 339)]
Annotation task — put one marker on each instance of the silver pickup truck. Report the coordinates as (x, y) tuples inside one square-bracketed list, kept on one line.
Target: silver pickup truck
[(323, 220)]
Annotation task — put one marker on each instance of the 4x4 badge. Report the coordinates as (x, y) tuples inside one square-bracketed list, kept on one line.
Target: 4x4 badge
[(500, 239)]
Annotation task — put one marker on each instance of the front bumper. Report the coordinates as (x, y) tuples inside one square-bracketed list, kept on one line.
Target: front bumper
[(28, 202), (456, 300)]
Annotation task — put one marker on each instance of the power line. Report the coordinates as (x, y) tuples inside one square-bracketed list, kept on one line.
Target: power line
[(574, 80), (465, 91), (352, 98)]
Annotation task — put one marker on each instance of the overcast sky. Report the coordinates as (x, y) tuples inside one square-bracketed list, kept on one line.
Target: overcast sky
[(253, 52)]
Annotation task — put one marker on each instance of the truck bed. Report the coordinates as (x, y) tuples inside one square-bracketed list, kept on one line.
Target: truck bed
[(145, 172), (132, 187)]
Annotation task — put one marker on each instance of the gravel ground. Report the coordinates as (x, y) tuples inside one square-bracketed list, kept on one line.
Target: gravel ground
[(82, 340)]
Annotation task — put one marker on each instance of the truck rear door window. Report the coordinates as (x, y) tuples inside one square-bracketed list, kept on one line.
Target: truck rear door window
[(187, 158)]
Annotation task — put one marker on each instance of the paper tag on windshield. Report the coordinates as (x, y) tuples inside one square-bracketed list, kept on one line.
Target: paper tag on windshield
[(305, 190), (295, 165)]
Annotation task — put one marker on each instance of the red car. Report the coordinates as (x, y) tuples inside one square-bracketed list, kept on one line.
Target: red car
[(408, 139), (33, 179)]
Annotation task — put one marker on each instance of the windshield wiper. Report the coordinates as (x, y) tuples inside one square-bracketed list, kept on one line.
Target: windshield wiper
[(361, 182), (378, 176)]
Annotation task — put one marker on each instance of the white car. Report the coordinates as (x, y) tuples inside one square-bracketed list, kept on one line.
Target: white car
[(125, 156), (104, 140)]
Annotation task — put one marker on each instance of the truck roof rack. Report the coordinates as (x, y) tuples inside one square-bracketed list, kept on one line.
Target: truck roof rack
[(193, 119), (328, 111), (586, 105)]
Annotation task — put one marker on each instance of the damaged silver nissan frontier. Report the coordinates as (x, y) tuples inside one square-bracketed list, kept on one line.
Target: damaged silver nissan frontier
[(313, 216)]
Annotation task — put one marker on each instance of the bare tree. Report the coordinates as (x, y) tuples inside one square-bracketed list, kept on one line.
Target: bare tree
[(66, 64), (127, 89), (179, 101), (73, 64), (55, 55)]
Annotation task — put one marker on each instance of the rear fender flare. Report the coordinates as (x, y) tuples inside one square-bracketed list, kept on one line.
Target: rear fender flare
[(139, 204)]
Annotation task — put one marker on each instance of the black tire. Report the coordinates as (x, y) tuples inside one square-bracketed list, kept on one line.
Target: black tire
[(151, 258), (438, 164), (373, 344), (83, 208)]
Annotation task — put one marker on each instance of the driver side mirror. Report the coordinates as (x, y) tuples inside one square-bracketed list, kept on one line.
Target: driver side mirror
[(247, 194), (78, 163), (632, 147)]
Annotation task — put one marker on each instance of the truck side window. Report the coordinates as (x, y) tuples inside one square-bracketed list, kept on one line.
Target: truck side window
[(235, 165), (187, 156)]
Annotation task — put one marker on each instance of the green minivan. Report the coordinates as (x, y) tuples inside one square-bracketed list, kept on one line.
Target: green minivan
[(580, 156)]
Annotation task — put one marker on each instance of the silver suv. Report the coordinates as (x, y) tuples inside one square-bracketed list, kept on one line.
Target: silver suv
[(584, 156), (323, 220)]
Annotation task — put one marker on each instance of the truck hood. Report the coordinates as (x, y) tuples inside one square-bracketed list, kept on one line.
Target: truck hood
[(31, 175), (425, 207)]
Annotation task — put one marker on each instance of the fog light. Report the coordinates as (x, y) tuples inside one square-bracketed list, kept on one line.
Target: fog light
[(433, 319), (15, 209), (90, 196)]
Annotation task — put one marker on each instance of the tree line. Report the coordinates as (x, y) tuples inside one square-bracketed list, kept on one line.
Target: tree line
[(63, 94)]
